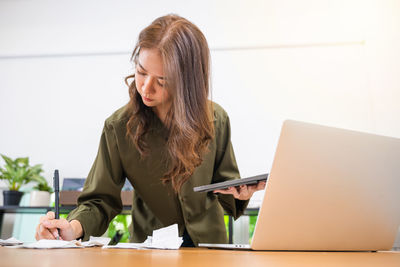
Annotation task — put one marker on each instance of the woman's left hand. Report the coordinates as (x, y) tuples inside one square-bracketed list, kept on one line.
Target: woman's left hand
[(243, 192)]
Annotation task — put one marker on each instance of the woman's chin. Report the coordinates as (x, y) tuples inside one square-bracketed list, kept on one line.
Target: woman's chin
[(148, 103)]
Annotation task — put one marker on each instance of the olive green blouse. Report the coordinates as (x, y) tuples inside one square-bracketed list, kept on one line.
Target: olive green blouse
[(155, 204)]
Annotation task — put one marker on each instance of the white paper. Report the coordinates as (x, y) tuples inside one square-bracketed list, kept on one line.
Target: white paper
[(128, 245), (12, 241), (96, 241), (167, 238), (164, 238), (48, 243)]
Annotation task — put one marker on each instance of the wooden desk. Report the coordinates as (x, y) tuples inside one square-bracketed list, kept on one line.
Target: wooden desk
[(187, 257)]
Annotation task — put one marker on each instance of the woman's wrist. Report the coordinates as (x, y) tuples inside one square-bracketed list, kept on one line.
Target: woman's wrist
[(77, 228)]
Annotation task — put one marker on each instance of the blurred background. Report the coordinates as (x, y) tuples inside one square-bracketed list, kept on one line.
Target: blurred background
[(63, 63)]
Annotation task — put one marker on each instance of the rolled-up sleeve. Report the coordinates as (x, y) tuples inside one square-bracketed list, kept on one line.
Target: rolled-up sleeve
[(100, 200)]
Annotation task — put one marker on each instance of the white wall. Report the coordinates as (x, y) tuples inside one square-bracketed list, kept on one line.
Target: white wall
[(62, 66)]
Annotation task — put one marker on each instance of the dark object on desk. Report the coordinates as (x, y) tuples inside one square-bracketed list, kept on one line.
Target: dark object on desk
[(237, 182), (72, 188), (12, 197), (56, 181), (116, 238)]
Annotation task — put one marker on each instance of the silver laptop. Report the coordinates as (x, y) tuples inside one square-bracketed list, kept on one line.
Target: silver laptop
[(329, 189)]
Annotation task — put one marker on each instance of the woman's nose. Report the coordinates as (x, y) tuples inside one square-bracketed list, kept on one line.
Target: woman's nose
[(147, 86)]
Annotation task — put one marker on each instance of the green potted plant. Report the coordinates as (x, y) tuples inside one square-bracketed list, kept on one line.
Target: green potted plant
[(16, 173), (40, 196)]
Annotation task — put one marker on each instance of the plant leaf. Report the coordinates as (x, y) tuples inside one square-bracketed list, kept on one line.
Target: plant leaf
[(8, 160)]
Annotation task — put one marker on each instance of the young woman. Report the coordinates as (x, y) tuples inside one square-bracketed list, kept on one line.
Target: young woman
[(168, 139)]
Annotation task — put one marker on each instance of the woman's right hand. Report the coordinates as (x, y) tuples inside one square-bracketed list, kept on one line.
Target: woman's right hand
[(48, 228)]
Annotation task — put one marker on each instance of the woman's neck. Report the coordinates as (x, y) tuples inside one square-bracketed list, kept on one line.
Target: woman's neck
[(161, 112)]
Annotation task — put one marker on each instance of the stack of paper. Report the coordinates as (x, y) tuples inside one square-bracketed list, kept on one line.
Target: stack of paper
[(10, 242), (164, 238), (46, 243)]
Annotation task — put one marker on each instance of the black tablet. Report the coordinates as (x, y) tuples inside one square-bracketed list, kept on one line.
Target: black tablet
[(236, 182)]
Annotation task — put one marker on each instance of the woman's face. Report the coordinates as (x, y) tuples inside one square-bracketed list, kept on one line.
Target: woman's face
[(150, 81)]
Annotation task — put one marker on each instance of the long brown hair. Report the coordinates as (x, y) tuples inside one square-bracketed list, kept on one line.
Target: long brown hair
[(186, 62)]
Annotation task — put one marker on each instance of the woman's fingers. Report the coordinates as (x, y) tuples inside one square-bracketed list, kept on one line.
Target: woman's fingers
[(253, 188), (243, 192), (56, 224), (229, 191), (48, 226), (261, 185), (43, 233), (49, 216)]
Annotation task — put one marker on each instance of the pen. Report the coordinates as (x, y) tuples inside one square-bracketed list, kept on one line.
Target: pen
[(57, 200)]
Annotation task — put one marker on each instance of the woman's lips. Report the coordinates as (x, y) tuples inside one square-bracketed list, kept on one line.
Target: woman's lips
[(147, 99)]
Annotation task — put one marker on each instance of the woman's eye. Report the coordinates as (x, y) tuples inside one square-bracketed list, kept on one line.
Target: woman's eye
[(141, 73)]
